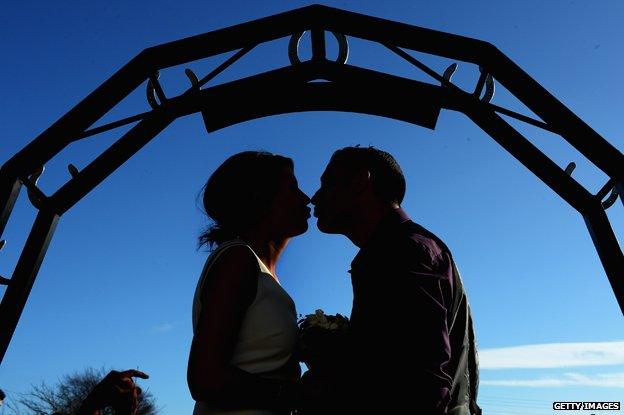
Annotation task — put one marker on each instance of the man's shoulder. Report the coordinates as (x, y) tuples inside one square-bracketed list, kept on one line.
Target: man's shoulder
[(412, 237), (411, 246), (404, 244)]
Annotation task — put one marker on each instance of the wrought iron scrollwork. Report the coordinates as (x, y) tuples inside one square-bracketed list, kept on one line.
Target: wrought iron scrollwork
[(610, 189), (73, 171), (35, 195), (293, 48), (613, 195), (485, 79), (570, 168), (448, 72), (153, 91), (489, 87), (606, 204), (192, 77)]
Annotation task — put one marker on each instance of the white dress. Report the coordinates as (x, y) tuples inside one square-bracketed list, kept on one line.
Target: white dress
[(268, 333)]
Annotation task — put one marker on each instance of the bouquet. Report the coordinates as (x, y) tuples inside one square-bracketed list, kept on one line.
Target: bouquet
[(322, 340)]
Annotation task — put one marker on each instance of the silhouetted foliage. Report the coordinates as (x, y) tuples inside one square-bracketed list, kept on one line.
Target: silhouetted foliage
[(66, 396)]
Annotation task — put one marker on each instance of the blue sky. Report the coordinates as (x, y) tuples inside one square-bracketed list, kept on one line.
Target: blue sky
[(116, 285)]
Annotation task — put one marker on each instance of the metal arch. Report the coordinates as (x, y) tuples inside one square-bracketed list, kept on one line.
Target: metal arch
[(75, 123), (72, 124)]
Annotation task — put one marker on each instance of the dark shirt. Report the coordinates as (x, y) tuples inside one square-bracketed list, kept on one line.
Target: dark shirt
[(406, 293)]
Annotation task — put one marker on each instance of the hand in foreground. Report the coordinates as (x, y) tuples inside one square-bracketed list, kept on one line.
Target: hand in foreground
[(117, 390)]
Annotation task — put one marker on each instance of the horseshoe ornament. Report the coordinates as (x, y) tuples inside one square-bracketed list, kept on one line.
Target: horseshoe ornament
[(293, 48), (611, 199), (448, 72), (151, 93)]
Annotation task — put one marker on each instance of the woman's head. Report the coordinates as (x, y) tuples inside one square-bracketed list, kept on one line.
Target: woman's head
[(251, 189)]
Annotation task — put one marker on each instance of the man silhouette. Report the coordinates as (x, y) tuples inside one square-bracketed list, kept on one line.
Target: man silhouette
[(412, 345)]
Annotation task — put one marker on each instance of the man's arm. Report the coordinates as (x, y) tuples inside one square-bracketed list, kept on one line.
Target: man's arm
[(425, 288), (402, 335)]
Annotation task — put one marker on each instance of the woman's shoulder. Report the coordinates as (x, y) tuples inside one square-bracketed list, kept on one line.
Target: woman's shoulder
[(233, 258), (230, 276), (230, 271)]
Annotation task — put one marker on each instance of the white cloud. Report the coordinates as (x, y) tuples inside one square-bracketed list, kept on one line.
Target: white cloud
[(553, 355), (162, 328), (607, 380)]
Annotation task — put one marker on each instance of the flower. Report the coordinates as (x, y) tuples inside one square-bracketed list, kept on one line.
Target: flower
[(321, 320), (321, 339)]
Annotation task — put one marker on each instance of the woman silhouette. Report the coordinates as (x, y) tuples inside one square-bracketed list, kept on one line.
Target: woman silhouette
[(244, 323)]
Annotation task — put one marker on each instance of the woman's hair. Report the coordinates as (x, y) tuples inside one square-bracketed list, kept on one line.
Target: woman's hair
[(239, 194)]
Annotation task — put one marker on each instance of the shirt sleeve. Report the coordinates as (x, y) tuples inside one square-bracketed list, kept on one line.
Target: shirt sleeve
[(426, 288)]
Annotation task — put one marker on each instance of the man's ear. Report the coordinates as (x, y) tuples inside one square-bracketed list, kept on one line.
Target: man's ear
[(361, 180)]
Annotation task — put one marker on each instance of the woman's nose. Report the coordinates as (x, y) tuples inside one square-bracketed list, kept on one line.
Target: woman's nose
[(304, 196), (314, 198)]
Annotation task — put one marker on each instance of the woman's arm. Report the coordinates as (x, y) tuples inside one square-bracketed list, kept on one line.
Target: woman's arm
[(228, 292)]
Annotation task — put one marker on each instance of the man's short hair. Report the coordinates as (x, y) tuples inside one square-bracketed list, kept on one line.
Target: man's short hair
[(386, 174)]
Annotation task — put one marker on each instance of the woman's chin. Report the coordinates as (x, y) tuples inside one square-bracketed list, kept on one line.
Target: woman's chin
[(301, 229)]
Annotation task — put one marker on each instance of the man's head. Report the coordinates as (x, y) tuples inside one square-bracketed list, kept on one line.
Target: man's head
[(356, 179)]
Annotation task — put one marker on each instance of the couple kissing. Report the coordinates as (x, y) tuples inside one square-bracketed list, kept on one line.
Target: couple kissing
[(243, 358)]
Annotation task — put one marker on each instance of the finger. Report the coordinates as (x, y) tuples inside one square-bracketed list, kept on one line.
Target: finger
[(127, 384), (134, 373), (113, 374)]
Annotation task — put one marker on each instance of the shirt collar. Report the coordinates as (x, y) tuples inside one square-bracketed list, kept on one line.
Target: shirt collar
[(388, 222), (391, 219)]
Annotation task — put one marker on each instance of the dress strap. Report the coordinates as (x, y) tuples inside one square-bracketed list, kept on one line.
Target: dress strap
[(215, 255), (237, 242)]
